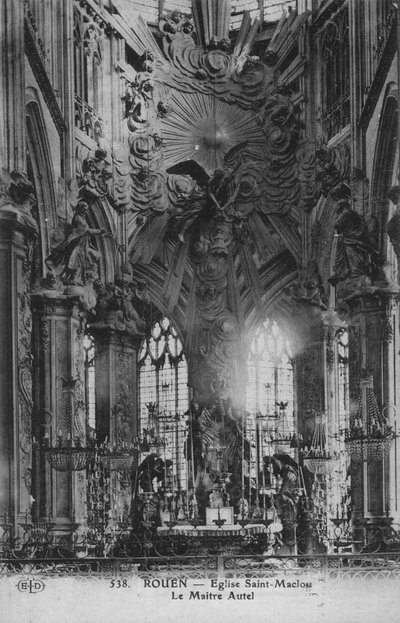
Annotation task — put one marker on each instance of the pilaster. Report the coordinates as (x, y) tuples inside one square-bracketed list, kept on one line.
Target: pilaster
[(116, 374), (12, 80), (17, 233), (373, 349), (59, 322)]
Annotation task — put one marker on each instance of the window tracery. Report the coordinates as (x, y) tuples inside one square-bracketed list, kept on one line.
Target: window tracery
[(335, 53), (87, 75), (269, 395), (270, 371), (164, 396)]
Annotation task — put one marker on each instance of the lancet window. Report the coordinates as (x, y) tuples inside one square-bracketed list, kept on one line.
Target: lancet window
[(87, 75), (335, 53), (269, 394), (164, 396)]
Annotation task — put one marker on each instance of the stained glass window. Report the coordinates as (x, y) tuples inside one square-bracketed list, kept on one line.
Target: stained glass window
[(270, 423), (270, 371), (164, 396)]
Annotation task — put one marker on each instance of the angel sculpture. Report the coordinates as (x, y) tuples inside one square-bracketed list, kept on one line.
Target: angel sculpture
[(210, 196)]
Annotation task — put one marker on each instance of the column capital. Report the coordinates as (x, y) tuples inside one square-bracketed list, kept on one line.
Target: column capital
[(108, 336), (51, 293), (365, 298)]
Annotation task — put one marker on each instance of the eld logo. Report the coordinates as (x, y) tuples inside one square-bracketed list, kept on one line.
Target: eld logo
[(31, 586)]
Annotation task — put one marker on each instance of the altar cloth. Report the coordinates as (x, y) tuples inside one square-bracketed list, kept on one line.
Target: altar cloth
[(203, 530)]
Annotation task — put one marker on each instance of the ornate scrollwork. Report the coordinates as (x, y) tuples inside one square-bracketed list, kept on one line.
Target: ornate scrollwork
[(25, 400)]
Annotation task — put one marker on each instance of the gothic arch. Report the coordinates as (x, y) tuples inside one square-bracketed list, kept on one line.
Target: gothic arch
[(383, 173), (38, 153), (100, 217)]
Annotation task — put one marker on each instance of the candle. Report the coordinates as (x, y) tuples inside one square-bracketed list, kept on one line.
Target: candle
[(263, 471), (178, 471), (257, 454), (243, 453), (192, 449), (173, 462)]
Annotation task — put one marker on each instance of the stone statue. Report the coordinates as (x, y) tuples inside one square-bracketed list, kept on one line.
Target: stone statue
[(116, 309), (357, 248), (210, 196), (17, 197), (139, 93), (216, 497), (74, 259), (96, 174), (288, 495), (152, 467)]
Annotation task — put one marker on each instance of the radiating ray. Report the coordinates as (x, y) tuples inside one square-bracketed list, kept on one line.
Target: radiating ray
[(203, 128)]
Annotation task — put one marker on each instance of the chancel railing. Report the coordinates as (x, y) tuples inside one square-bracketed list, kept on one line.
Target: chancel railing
[(344, 567)]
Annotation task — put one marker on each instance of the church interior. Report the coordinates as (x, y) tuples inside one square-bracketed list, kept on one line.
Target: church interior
[(199, 326)]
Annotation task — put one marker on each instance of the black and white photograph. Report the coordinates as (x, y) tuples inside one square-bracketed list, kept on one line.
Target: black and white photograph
[(199, 311)]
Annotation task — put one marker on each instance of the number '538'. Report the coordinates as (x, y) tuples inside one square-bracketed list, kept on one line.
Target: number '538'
[(119, 584)]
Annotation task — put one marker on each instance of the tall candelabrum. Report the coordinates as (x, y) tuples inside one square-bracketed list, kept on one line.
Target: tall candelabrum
[(26, 538)]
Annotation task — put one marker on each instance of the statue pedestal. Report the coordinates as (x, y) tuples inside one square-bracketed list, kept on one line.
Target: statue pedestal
[(225, 512)]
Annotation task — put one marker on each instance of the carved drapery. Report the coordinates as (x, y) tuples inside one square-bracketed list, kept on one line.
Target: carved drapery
[(73, 261)]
